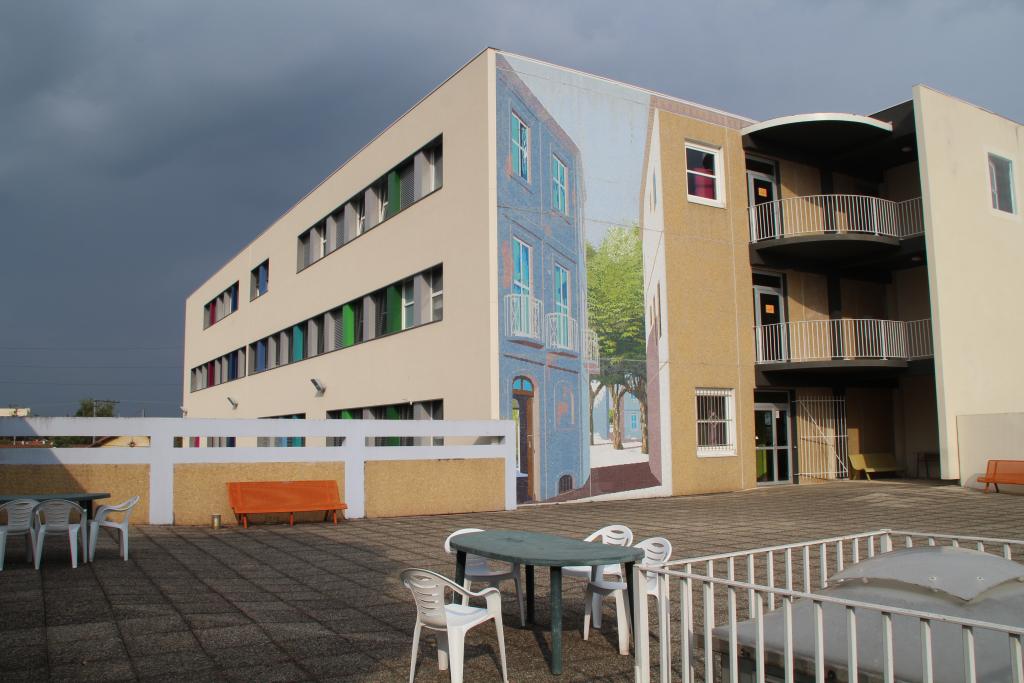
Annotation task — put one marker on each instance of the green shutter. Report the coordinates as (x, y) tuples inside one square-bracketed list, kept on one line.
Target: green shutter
[(348, 325), (298, 343), (394, 304), (347, 415), (394, 193), (391, 413)]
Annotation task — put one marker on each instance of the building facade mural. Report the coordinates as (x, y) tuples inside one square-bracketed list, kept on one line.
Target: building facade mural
[(574, 364)]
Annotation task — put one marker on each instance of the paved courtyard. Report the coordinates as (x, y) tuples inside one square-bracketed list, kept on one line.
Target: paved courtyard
[(319, 602)]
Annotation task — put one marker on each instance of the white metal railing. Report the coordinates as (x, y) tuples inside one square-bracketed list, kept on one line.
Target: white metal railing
[(842, 339), (523, 316), (352, 442), (592, 352), (563, 332), (836, 214), (919, 339), (764, 583)]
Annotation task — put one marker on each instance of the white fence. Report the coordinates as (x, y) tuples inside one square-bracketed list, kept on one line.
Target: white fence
[(836, 214), (843, 339), (523, 316), (758, 585), (354, 446)]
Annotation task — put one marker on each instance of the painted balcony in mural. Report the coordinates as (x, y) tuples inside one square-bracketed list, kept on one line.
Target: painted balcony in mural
[(523, 317), (563, 332)]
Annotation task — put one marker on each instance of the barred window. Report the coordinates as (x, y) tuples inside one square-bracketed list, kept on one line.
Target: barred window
[(716, 423)]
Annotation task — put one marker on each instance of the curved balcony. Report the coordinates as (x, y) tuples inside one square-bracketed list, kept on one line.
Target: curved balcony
[(523, 317), (843, 343), (563, 332), (830, 227)]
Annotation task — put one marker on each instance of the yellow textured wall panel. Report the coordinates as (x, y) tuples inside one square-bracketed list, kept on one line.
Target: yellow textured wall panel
[(121, 481), (200, 489), (397, 488)]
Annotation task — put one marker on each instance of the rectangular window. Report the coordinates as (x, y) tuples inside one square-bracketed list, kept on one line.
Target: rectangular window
[(559, 176), (408, 305), (382, 201), (221, 306), (520, 148), (436, 294), (359, 206), (1000, 179), (520, 268), (716, 424), (436, 160), (259, 280), (562, 331), (704, 175)]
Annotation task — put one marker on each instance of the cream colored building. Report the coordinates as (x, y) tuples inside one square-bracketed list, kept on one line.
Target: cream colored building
[(811, 287)]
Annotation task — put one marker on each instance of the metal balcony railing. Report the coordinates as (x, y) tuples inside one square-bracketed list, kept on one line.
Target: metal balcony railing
[(523, 316), (831, 214), (563, 332), (843, 339)]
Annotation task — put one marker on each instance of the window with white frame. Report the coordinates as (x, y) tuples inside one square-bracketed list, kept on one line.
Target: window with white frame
[(716, 422), (704, 175), (1000, 179), (520, 148), (559, 184)]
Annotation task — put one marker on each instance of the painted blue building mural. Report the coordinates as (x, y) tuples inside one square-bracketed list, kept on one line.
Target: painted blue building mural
[(629, 419), (542, 292)]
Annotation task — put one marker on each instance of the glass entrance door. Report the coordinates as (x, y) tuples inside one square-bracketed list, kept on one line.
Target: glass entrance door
[(771, 438), (769, 319), (764, 211)]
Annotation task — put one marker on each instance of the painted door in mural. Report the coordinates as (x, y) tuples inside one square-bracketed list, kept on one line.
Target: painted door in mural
[(522, 415), (772, 443), (770, 319)]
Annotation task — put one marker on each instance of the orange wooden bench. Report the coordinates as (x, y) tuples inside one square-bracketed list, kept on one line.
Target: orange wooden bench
[(257, 497), (1003, 472)]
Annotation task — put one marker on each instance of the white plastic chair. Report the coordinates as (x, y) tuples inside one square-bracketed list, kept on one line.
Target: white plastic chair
[(478, 569), (451, 621), (19, 522), (613, 534), (100, 519), (657, 550), (55, 515)]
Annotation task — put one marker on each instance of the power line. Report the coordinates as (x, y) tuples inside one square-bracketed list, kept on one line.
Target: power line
[(92, 384), (91, 348), (96, 367)]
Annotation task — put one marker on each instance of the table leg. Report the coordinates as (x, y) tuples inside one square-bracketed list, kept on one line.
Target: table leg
[(529, 594), (556, 620), (460, 567), (86, 510), (629, 588)]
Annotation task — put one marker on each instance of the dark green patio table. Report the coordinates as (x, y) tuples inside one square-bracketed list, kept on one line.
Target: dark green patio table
[(545, 550)]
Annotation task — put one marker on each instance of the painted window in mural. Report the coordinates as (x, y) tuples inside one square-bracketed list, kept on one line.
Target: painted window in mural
[(560, 335), (521, 302), (520, 148), (703, 174), (558, 185), (716, 429)]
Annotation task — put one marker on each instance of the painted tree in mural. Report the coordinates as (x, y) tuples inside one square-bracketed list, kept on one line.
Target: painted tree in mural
[(615, 307)]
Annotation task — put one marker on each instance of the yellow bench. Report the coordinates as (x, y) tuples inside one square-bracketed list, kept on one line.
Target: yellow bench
[(873, 463)]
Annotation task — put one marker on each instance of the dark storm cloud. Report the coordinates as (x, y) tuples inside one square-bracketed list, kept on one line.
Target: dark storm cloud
[(143, 144)]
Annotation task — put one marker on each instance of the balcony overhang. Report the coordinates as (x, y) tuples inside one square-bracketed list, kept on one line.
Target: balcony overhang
[(817, 135), (824, 248)]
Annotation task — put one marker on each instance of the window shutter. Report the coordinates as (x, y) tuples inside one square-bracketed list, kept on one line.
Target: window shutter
[(407, 193)]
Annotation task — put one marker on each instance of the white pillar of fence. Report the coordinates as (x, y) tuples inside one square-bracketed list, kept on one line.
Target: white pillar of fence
[(473, 439)]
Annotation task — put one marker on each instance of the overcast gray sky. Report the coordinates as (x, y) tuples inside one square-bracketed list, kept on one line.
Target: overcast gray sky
[(142, 144)]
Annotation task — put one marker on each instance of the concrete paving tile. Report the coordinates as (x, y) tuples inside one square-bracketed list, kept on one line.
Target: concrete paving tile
[(99, 670), (154, 643), (248, 655), (176, 664), (231, 636), (271, 673)]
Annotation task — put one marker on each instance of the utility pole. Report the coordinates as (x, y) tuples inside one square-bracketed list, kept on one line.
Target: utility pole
[(107, 402)]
